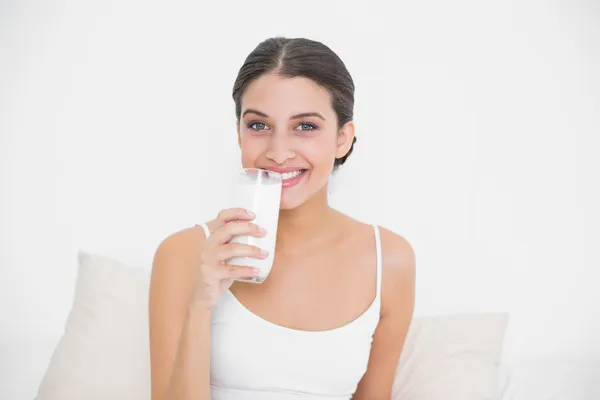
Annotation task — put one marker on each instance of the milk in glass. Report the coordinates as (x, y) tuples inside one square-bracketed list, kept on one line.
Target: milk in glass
[(259, 191)]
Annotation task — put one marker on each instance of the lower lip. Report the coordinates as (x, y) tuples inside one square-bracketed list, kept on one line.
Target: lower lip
[(288, 183)]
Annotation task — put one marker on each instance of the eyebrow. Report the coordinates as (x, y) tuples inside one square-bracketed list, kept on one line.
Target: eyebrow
[(297, 116)]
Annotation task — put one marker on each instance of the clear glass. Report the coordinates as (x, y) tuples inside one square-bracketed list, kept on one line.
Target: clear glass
[(259, 191)]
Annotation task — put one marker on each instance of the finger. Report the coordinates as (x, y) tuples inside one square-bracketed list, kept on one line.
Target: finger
[(230, 250), (228, 215), (238, 271), (236, 228)]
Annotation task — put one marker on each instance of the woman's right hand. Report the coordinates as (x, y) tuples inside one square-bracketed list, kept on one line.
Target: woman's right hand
[(214, 276)]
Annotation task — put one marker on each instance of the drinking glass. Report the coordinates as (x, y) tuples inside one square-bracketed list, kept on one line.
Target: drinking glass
[(259, 191)]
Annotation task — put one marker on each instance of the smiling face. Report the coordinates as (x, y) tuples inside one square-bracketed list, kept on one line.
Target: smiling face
[(288, 125)]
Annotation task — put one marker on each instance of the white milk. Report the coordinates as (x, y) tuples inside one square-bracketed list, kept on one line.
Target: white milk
[(262, 196)]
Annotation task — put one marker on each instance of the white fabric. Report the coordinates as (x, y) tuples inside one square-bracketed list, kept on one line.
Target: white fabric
[(104, 352), (252, 358), (451, 357), (205, 229)]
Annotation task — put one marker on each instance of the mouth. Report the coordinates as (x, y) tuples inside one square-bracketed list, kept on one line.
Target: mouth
[(293, 174), (291, 177)]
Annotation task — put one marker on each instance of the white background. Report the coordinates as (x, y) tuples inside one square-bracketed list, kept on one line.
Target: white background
[(478, 126)]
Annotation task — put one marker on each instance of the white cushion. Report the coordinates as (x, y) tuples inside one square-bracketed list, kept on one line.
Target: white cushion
[(451, 357), (104, 352)]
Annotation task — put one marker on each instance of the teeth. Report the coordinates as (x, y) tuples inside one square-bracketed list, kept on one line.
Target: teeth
[(290, 175)]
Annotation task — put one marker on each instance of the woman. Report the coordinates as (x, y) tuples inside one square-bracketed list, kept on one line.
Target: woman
[(330, 320)]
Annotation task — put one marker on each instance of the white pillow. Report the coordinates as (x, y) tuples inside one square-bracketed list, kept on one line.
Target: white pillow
[(453, 357), (104, 352)]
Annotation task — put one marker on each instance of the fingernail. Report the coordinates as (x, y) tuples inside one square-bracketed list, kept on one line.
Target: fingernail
[(250, 213), (264, 253), (256, 271), (262, 231)]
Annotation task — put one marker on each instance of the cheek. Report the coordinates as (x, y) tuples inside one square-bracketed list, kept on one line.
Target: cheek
[(319, 151), (252, 148)]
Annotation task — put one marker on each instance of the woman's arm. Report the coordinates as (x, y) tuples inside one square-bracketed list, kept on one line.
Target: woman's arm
[(191, 372), (179, 331), (397, 304), (188, 277)]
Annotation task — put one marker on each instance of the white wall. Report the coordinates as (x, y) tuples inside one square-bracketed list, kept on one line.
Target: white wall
[(478, 125)]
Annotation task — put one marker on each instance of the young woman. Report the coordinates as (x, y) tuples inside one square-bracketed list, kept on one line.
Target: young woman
[(330, 320)]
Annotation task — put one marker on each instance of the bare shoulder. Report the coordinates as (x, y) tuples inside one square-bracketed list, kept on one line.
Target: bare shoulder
[(398, 254), (171, 287), (180, 246), (175, 262), (399, 265)]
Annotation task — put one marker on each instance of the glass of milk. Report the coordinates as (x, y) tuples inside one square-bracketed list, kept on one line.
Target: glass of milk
[(259, 191)]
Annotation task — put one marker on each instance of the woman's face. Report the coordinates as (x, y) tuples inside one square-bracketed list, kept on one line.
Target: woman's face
[(288, 125)]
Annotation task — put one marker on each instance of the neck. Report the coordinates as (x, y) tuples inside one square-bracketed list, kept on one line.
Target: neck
[(297, 227)]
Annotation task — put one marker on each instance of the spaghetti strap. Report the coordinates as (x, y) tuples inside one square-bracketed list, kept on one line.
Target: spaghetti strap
[(379, 257), (205, 228)]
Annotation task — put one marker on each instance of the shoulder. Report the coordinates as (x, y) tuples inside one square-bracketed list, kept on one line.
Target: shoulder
[(172, 277), (398, 268), (181, 244), (398, 254), (177, 254)]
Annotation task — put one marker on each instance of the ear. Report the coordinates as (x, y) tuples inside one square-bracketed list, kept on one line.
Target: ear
[(345, 138), (237, 128)]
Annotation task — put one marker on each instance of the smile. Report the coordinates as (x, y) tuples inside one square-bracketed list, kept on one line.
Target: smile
[(292, 178), (293, 174)]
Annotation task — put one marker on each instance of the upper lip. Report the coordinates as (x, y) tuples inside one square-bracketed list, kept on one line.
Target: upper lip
[(282, 170)]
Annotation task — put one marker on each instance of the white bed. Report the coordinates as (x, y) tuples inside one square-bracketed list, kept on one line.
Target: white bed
[(24, 361), (449, 357)]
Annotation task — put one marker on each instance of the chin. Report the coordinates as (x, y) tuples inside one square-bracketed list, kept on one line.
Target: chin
[(291, 198), (297, 195), (289, 202)]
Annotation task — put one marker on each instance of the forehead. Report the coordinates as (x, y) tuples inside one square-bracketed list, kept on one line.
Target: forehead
[(281, 96)]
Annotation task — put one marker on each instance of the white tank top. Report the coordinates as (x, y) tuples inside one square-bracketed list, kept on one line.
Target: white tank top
[(252, 358)]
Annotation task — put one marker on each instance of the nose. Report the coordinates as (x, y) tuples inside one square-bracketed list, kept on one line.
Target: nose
[(279, 149)]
